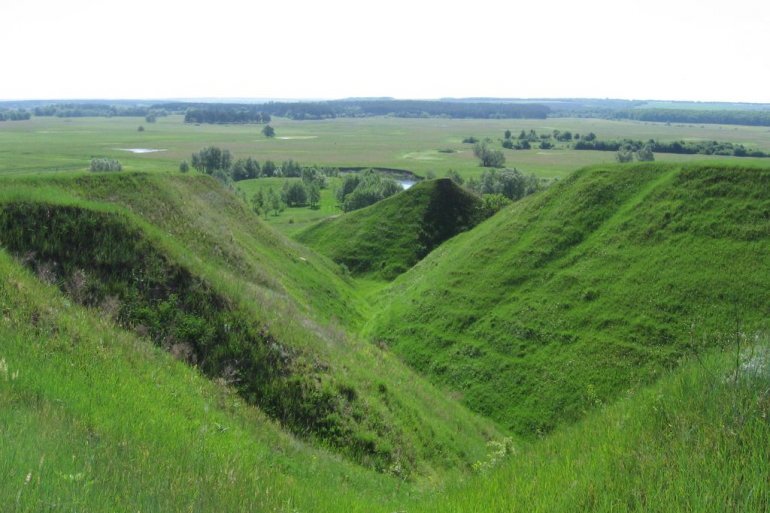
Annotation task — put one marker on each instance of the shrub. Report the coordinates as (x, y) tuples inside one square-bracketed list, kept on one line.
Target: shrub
[(100, 165)]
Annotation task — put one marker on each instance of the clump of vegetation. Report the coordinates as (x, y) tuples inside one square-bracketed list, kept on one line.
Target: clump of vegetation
[(510, 183), (360, 190), (470, 140), (487, 156), (14, 115), (676, 147), (104, 164), (268, 131)]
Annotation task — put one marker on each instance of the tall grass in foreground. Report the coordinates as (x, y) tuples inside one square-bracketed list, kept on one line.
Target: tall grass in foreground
[(699, 441), (93, 419)]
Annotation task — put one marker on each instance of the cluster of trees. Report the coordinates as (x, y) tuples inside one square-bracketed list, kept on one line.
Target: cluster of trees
[(293, 193), (510, 183), (363, 189), (226, 113), (530, 139), (79, 110), (500, 188), (14, 115), (219, 163), (264, 203), (679, 147), (643, 154), (100, 165), (704, 116), (488, 156)]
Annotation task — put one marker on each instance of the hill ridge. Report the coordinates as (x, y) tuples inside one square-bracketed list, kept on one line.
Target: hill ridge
[(385, 239)]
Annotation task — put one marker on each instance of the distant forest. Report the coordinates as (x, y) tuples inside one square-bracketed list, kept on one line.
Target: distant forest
[(81, 110), (260, 113), (726, 117), (14, 115), (462, 108)]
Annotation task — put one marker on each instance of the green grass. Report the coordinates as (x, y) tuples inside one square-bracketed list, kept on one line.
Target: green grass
[(51, 144), (96, 419), (292, 219), (273, 286), (598, 284), (387, 238), (697, 441), (551, 320)]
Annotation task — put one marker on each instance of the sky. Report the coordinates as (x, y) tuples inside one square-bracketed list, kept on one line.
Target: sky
[(703, 50)]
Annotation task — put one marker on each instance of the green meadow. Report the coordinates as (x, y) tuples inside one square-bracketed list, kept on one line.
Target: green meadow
[(51, 144), (600, 345)]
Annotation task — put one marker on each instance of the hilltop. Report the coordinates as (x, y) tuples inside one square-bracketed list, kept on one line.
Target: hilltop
[(387, 238), (598, 285)]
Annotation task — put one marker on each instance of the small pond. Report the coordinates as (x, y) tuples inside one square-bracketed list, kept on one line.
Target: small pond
[(140, 150)]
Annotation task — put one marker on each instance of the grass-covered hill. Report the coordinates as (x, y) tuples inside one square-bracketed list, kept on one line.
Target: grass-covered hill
[(387, 238), (180, 262), (593, 287), (697, 440)]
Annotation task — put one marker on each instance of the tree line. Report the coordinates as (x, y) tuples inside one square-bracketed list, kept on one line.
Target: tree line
[(80, 110), (248, 113), (679, 147), (14, 115), (723, 117), (226, 114), (219, 163)]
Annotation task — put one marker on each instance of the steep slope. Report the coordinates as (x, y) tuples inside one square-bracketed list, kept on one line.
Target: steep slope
[(599, 284), (389, 237), (179, 261), (698, 440), (94, 418)]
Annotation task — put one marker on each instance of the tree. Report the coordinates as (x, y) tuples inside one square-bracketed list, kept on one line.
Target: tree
[(507, 134), (624, 155), (645, 154), (150, 118), (273, 202), (98, 165), (365, 188), (140, 129), (294, 194), (488, 157), (211, 159), (258, 202), (314, 194), (184, 166), (268, 131), (268, 168)]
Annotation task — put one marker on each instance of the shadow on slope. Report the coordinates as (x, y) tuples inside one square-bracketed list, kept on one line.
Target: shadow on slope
[(250, 308), (389, 237)]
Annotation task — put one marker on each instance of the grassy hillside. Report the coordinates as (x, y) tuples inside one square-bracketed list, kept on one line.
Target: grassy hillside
[(600, 283), (389, 237), (95, 418), (699, 440), (180, 261)]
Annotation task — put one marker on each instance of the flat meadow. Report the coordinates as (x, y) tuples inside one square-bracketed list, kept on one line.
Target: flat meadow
[(424, 146)]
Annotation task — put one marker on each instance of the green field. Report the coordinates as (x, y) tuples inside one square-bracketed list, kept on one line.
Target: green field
[(601, 345), (55, 144), (50, 144)]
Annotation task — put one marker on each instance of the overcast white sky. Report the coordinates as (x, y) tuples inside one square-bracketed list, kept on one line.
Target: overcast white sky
[(656, 49)]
